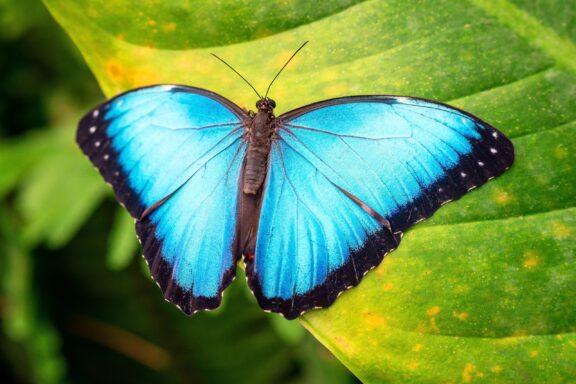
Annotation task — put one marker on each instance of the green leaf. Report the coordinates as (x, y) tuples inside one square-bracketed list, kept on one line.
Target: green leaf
[(17, 16), (483, 291), (49, 172), (123, 243), (18, 156), (50, 202), (22, 319)]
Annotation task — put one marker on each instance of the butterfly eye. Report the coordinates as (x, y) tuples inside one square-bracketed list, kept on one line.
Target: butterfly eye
[(266, 103)]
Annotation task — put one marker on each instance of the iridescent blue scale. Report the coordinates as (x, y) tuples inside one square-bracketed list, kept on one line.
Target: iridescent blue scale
[(345, 177)]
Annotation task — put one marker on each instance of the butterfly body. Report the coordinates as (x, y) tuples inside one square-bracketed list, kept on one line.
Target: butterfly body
[(261, 132), (310, 200)]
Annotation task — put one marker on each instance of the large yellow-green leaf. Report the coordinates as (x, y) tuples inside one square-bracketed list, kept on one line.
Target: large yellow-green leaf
[(483, 291)]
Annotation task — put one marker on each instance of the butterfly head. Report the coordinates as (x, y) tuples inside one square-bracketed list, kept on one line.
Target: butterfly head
[(266, 104)]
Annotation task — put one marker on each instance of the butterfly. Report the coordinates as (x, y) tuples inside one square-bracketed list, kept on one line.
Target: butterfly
[(311, 200)]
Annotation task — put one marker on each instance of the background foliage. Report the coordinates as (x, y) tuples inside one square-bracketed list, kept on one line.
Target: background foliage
[(484, 291)]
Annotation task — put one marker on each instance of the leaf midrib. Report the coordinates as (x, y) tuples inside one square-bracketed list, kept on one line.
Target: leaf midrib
[(502, 219), (484, 338)]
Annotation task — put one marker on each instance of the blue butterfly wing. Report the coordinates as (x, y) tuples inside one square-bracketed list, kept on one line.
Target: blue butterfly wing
[(346, 177), (173, 156)]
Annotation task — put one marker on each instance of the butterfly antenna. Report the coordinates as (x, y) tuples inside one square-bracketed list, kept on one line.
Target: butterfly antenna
[(281, 69), (238, 73)]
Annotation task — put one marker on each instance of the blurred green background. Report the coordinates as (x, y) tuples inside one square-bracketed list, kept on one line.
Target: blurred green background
[(69, 313)]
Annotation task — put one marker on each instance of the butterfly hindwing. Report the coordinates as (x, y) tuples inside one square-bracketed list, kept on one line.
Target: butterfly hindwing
[(173, 156), (346, 177)]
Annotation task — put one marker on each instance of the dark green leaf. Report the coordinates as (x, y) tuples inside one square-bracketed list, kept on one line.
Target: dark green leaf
[(123, 243), (59, 192)]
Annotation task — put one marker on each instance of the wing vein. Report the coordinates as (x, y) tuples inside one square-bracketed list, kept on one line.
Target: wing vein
[(339, 134)]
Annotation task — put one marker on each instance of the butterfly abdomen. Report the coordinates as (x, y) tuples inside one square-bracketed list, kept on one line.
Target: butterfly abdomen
[(261, 129), (255, 170)]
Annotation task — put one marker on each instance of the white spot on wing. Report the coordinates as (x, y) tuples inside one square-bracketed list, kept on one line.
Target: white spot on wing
[(480, 163), (462, 174), (97, 144), (493, 150), (106, 157), (402, 99), (495, 135), (92, 129), (95, 113)]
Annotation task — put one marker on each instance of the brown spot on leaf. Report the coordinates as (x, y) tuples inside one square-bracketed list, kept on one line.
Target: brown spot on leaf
[(503, 197), (374, 320), (169, 27), (115, 71), (433, 311), (413, 365), (468, 373), (531, 260), (560, 152), (344, 345), (461, 316), (561, 231)]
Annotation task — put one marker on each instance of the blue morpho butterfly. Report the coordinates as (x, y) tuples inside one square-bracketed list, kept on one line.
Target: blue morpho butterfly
[(312, 199)]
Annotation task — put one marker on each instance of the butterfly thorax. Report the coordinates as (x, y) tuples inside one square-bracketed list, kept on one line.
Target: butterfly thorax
[(260, 131)]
